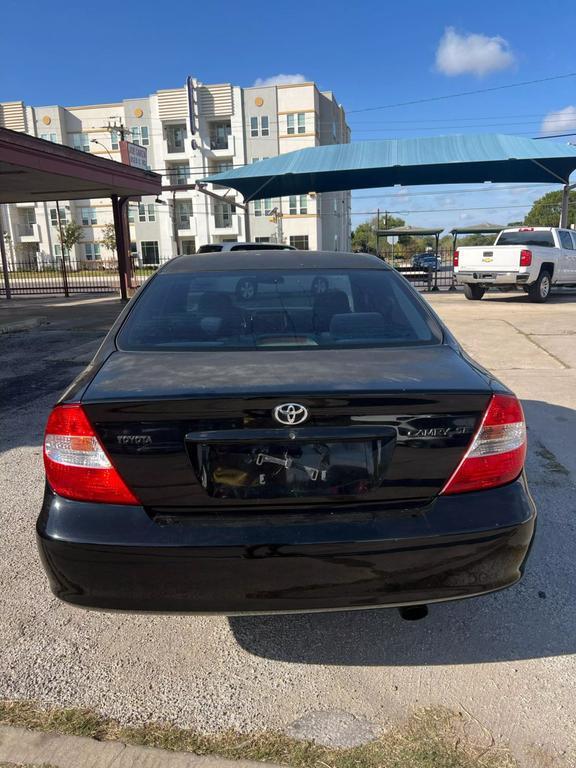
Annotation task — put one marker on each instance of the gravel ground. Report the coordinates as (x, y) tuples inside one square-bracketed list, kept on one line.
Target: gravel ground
[(507, 659)]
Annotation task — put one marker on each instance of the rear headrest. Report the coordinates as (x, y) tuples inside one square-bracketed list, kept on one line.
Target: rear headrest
[(364, 324)]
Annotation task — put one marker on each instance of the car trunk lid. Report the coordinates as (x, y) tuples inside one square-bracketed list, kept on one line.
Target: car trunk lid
[(196, 432)]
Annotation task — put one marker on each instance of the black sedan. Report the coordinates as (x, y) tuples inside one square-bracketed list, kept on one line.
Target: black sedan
[(296, 451)]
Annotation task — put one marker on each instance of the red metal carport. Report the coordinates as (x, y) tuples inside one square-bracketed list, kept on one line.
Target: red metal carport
[(34, 170)]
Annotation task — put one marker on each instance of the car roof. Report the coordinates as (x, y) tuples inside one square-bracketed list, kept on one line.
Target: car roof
[(251, 260)]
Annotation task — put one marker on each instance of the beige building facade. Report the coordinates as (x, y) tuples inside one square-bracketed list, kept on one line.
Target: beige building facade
[(188, 132)]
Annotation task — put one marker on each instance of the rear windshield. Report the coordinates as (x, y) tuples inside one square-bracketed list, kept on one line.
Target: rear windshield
[(277, 309), (545, 239)]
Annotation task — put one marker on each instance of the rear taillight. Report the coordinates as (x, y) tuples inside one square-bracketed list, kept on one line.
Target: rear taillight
[(525, 258), (77, 467), (497, 452), (456, 258)]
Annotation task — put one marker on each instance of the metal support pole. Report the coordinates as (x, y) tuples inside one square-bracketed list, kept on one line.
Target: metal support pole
[(118, 210), (453, 282), (247, 223), (564, 211), (62, 255), (378, 233), (4, 259), (437, 239)]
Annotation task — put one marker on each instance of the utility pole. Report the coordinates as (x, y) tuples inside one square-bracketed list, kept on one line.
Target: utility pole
[(120, 129)]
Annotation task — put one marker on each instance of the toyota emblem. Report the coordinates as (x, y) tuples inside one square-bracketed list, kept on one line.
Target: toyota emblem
[(290, 414)]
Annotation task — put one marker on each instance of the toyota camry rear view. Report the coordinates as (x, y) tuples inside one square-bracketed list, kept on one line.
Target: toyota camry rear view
[(319, 443)]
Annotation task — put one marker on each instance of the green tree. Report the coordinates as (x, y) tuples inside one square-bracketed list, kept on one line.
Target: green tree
[(109, 237), (364, 236), (69, 235), (545, 211)]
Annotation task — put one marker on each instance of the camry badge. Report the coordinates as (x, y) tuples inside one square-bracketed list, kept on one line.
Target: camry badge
[(290, 414)]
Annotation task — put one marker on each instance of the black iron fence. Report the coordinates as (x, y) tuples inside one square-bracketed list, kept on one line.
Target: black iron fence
[(424, 271), (68, 278)]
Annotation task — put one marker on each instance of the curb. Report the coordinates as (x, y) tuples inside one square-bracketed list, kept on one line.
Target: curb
[(23, 325), (18, 745)]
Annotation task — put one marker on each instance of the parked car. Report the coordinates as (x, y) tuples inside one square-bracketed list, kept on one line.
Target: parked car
[(426, 260), (313, 451), (249, 285), (234, 246), (533, 258)]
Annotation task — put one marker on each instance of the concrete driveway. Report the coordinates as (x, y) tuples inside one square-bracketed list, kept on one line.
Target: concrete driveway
[(509, 660)]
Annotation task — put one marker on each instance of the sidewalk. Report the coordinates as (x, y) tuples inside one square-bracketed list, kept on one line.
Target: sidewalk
[(29, 748)]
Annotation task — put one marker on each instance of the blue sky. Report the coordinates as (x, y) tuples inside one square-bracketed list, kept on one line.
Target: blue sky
[(370, 54)]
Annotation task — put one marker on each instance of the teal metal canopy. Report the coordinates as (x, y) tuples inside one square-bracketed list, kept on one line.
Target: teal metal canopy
[(466, 158)]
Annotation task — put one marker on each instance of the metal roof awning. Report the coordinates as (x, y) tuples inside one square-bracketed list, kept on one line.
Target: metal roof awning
[(32, 169), (468, 158), (415, 231), (478, 229)]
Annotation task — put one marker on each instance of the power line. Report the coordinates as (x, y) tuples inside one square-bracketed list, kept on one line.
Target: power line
[(463, 93)]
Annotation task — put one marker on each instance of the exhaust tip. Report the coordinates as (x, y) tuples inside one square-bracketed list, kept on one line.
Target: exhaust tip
[(413, 612)]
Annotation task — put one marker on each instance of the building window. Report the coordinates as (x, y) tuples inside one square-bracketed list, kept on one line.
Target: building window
[(175, 137), (219, 135), (262, 239), (263, 207), (146, 212), (29, 216), (140, 135), (259, 129), (223, 215), (81, 141), (298, 204), (49, 137), (150, 254), (179, 174), (114, 139), (91, 251), (88, 216), (183, 213), (299, 241), (296, 122), (54, 216)]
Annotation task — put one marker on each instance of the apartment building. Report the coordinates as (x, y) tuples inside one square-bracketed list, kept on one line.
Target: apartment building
[(189, 133)]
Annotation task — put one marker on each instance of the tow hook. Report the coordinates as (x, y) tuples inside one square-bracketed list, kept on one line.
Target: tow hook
[(413, 612)]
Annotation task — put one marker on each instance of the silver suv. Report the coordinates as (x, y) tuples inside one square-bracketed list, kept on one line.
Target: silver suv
[(232, 246)]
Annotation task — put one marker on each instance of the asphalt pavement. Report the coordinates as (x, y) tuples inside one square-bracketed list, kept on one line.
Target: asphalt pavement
[(508, 659)]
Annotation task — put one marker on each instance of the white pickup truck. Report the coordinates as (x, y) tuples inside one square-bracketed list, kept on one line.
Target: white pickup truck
[(535, 258)]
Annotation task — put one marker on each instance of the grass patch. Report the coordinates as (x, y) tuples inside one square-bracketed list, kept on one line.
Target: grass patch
[(430, 739)]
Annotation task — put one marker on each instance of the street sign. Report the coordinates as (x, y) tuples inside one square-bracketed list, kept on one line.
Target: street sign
[(134, 155)]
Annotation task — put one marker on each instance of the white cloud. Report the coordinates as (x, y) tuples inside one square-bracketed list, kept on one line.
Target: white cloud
[(280, 80), (562, 121), (475, 54)]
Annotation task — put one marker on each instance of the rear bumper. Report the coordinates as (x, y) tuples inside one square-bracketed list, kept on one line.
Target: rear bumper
[(491, 277), (119, 558)]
